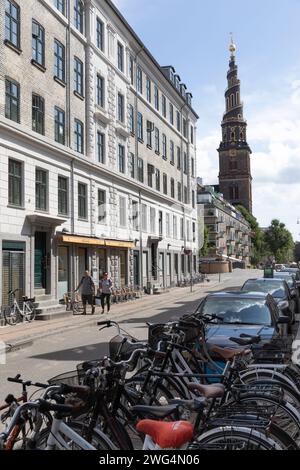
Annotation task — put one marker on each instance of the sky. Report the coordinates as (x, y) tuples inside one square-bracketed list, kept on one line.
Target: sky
[(194, 37)]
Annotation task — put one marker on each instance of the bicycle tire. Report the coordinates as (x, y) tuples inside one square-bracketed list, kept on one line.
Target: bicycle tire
[(99, 440), (30, 316), (224, 438), (11, 316)]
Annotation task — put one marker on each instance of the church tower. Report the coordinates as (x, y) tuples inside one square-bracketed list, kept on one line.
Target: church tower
[(235, 180)]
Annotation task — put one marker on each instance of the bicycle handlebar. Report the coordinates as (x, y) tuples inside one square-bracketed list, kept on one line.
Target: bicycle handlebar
[(26, 383)]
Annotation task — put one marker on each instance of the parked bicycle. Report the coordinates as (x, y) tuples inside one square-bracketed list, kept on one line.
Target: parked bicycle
[(16, 313)]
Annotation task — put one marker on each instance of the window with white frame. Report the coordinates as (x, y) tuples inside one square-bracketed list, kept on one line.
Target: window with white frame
[(100, 90), (101, 206), (144, 218), (121, 107), (168, 228), (164, 106), (139, 80), (164, 147), (175, 234), (131, 119), (148, 89), (122, 211), (121, 158), (152, 220), (120, 56), (101, 147), (156, 139), (100, 34), (156, 97), (140, 132), (135, 215)]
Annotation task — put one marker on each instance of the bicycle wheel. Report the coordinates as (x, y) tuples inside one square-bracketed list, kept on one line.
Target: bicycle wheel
[(99, 440), (11, 315), (233, 438), (29, 311)]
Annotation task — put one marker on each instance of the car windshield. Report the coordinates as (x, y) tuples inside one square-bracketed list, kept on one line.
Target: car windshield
[(268, 286), (234, 310), (288, 279)]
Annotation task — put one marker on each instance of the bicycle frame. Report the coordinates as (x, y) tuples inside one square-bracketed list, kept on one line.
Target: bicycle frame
[(55, 439)]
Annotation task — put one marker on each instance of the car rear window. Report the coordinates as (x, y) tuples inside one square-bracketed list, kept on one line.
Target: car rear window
[(233, 310), (268, 287)]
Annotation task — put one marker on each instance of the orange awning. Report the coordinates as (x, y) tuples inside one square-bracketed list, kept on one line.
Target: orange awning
[(96, 241)]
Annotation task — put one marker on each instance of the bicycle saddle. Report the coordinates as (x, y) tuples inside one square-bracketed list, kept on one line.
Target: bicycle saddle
[(228, 353), (26, 299), (167, 435), (208, 391), (155, 411)]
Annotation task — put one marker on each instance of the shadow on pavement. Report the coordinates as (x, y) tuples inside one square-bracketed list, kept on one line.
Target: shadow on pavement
[(81, 353)]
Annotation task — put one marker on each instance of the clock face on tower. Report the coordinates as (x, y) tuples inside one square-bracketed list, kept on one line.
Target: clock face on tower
[(232, 153)]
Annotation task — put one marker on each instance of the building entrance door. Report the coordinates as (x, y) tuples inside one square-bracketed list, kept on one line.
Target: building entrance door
[(63, 271), (13, 270), (136, 269), (40, 261)]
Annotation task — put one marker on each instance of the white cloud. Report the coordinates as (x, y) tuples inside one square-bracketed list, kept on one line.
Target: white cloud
[(274, 136)]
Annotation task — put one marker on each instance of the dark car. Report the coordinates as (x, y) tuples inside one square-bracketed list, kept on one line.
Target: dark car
[(290, 279), (296, 273), (251, 313), (278, 288)]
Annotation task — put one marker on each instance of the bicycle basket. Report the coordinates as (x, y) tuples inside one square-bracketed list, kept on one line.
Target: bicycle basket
[(156, 333), (71, 378), (121, 348)]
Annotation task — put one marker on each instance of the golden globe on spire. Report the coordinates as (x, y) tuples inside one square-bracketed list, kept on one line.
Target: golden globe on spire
[(232, 47)]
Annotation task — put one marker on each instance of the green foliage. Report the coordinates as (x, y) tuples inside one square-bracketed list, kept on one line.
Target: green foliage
[(280, 241), (205, 248), (260, 250)]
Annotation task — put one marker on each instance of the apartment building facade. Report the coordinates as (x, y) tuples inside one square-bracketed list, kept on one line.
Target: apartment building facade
[(229, 234), (97, 153)]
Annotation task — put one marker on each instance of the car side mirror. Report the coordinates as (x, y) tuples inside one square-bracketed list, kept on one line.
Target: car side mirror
[(293, 292), (283, 320), (283, 305)]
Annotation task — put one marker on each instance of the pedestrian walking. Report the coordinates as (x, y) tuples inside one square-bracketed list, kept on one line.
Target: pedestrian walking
[(105, 286), (87, 291)]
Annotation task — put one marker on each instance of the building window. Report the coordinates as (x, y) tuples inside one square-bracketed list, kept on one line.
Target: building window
[(234, 193), (188, 234), (12, 100), (121, 105), (160, 223), (185, 195), (100, 91), (38, 43), (148, 89), (38, 114), (168, 228), (185, 163), (164, 147), (172, 157), (122, 211), (139, 80), (140, 132), (15, 183), (178, 158), (172, 188), (152, 220), (193, 199), (78, 136), (78, 76), (192, 135), (120, 57), (131, 165), (164, 106), (135, 215), (157, 179), (82, 201), (101, 206), (131, 69), (59, 125), (193, 167), (60, 5), (63, 198), (140, 170), (178, 121), (156, 140), (194, 239), (156, 97), (131, 118), (149, 134), (175, 234), (59, 60), (182, 231), (121, 158), (41, 190), (150, 171), (144, 218), (12, 23), (100, 34), (101, 147), (165, 183), (179, 192), (171, 114), (78, 15), (184, 128)]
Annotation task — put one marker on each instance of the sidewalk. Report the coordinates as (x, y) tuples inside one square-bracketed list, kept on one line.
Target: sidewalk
[(23, 335)]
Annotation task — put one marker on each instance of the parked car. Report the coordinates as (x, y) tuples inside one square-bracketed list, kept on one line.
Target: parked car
[(250, 313), (296, 273), (278, 288), (293, 285)]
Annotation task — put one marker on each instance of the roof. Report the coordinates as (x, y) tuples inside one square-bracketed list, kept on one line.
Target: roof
[(144, 48), (239, 294)]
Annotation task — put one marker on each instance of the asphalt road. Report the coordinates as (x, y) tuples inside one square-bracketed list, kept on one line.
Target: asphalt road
[(58, 353)]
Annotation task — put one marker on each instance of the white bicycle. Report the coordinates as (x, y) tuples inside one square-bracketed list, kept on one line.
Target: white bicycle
[(14, 313)]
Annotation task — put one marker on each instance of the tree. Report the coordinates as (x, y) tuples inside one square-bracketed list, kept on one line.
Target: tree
[(279, 241), (260, 251), (204, 250)]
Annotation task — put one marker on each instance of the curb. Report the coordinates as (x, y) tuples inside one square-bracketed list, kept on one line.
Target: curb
[(10, 347)]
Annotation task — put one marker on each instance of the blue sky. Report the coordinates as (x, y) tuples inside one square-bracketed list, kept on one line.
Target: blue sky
[(194, 36)]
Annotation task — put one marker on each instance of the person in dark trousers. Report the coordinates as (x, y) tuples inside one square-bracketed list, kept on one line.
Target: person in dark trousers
[(105, 286), (87, 291)]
